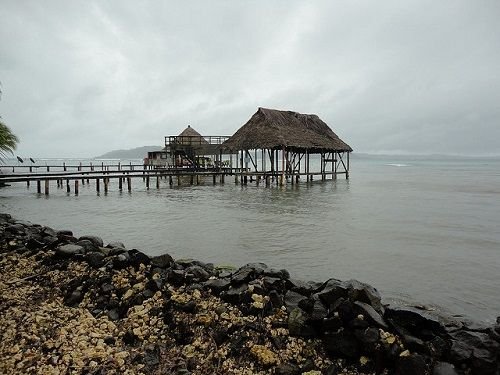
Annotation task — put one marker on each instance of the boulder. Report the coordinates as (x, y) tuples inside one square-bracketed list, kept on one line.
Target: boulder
[(95, 259), (97, 241), (115, 244), (475, 349), (138, 257), (342, 343), (413, 364), (298, 325), (292, 300), (69, 250), (217, 285), (444, 368), (417, 322), (162, 261), (236, 295), (370, 314), (88, 245)]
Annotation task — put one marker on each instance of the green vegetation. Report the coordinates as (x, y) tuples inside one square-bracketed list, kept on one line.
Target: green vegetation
[(8, 140)]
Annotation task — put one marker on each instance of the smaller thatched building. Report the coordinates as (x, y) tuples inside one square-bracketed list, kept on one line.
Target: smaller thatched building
[(295, 138)]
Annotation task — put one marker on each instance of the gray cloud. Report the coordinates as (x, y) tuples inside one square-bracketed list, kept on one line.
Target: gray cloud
[(81, 78)]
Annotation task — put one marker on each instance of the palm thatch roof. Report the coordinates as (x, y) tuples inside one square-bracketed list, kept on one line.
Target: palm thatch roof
[(274, 129), (190, 136)]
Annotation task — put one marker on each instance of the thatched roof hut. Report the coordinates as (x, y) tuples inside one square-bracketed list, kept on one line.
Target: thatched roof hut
[(274, 129), (190, 136)]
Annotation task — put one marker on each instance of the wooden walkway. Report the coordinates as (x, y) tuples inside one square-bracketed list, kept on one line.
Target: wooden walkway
[(68, 176)]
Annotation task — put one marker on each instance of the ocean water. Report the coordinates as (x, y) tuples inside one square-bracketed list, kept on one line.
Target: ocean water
[(422, 230)]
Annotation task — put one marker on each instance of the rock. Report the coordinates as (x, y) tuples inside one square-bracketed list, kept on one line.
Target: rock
[(297, 324), (287, 369), (88, 245), (197, 273), (236, 295), (162, 261), (152, 356), (273, 283), (64, 232), (49, 232), (476, 349), (121, 260), (242, 275), (413, 364), (97, 241), (138, 257), (292, 300), (114, 314), (368, 338), (444, 368), (370, 314), (419, 323), (276, 299), (331, 291), (95, 259), (318, 310), (74, 298), (115, 244), (341, 343), (69, 250), (217, 285)]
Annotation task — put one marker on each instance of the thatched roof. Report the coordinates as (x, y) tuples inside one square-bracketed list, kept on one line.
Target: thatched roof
[(190, 136), (274, 129)]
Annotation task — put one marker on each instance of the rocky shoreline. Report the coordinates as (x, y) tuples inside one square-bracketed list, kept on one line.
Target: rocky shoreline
[(73, 305)]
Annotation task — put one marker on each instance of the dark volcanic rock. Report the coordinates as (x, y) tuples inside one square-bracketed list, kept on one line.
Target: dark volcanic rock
[(217, 285), (444, 368), (162, 261), (115, 244), (95, 259), (298, 324), (342, 343), (97, 241), (292, 300), (419, 323), (370, 314), (236, 294), (69, 250), (413, 364), (475, 349), (138, 257), (88, 245)]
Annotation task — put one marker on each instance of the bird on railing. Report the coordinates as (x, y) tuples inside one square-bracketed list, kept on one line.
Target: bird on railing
[(20, 159), (31, 159)]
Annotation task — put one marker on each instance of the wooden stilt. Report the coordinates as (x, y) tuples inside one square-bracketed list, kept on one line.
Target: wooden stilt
[(46, 187), (106, 183), (120, 183), (97, 185), (39, 187), (157, 182), (76, 187), (129, 185), (68, 189)]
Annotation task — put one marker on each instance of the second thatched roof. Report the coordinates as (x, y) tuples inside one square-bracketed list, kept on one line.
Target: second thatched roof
[(274, 129)]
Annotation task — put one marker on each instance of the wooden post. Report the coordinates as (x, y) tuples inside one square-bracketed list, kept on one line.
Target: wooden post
[(178, 180), (120, 183), (282, 166), (129, 185), (347, 172), (64, 167), (191, 179), (76, 187), (106, 182), (97, 185), (214, 178), (28, 184), (197, 179), (147, 182), (31, 169), (157, 182), (68, 190), (170, 180), (39, 186), (222, 177), (46, 187)]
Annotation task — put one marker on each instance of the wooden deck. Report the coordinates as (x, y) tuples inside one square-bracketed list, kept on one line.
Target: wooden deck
[(71, 177)]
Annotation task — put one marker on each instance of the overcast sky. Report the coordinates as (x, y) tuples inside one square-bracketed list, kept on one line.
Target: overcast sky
[(80, 78)]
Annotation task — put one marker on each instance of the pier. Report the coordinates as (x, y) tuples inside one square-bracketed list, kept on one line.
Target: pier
[(71, 177)]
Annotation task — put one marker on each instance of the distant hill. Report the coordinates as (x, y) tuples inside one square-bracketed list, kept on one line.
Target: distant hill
[(133, 153)]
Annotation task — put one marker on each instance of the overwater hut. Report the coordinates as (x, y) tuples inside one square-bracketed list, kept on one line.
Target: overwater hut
[(190, 148), (287, 144)]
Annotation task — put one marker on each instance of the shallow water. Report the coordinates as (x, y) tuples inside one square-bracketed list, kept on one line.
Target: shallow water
[(421, 230)]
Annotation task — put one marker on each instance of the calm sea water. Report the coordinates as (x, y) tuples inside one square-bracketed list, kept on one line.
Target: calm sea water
[(420, 229)]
